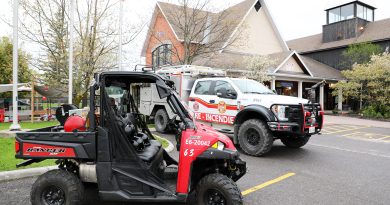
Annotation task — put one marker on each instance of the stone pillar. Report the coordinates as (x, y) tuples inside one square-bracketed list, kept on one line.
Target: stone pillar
[(300, 89), (340, 100), (322, 96)]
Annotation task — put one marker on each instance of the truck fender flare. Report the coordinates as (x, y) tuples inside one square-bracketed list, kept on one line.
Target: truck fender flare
[(250, 112)]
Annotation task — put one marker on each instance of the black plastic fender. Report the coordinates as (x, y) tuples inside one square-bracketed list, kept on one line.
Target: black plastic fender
[(251, 112)]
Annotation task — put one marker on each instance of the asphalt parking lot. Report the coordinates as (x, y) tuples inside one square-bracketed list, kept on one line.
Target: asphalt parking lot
[(347, 164)]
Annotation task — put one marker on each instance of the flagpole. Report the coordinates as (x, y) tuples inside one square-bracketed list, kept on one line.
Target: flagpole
[(15, 123)]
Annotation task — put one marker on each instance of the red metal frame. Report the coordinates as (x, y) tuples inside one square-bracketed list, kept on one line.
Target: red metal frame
[(194, 143)]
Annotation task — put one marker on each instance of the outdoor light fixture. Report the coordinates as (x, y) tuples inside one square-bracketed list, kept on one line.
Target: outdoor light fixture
[(361, 28)]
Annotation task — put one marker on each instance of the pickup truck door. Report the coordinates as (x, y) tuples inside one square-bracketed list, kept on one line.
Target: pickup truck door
[(226, 100), (208, 107)]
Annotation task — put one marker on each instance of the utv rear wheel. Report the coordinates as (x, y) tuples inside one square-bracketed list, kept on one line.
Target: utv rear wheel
[(254, 137), (161, 120), (295, 142), (57, 187), (217, 189)]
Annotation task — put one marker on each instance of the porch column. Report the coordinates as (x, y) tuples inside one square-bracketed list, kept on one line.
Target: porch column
[(340, 100), (273, 83), (300, 89), (322, 96)]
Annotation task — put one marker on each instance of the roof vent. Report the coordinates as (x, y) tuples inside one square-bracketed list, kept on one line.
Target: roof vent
[(257, 6)]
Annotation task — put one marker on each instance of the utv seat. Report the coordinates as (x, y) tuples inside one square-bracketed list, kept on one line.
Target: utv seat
[(149, 153)]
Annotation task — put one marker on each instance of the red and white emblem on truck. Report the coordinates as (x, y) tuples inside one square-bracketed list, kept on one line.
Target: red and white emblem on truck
[(221, 107), (196, 106)]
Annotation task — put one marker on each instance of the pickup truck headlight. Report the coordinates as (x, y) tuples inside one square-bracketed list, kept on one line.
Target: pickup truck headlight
[(280, 112), (218, 145)]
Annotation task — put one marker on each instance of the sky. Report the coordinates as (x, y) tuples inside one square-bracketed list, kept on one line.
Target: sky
[(294, 19)]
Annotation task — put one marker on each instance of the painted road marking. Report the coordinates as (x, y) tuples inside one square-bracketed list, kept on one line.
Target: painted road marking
[(265, 184), (349, 150), (357, 128)]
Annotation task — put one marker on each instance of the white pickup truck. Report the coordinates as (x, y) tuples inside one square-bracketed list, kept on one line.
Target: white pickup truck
[(249, 112)]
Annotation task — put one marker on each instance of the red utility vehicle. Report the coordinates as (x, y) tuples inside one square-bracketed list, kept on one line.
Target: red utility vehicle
[(116, 151)]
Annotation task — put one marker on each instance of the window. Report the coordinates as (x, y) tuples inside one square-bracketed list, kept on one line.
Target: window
[(202, 88), (162, 55), (347, 12), (251, 87), (365, 13), (222, 84), (334, 15)]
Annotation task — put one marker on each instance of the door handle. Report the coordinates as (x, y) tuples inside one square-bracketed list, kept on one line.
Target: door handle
[(192, 99), (212, 101)]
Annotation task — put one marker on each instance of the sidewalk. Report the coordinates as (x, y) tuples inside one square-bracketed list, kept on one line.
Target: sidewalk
[(331, 119)]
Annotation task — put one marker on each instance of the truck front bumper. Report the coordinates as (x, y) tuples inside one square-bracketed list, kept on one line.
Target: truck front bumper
[(289, 128)]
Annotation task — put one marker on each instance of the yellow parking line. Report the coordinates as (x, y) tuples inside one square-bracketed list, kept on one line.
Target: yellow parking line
[(349, 134), (265, 184), (347, 130), (383, 138)]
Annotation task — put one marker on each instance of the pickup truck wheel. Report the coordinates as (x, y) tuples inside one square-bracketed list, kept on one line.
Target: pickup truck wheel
[(297, 142), (254, 137), (57, 187), (161, 120), (217, 189)]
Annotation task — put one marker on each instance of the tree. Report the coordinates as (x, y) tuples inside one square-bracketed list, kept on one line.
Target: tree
[(258, 67), (360, 53), (46, 22), (202, 32), (24, 73), (368, 81)]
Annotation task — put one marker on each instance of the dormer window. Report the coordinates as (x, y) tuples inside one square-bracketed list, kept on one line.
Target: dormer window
[(348, 11)]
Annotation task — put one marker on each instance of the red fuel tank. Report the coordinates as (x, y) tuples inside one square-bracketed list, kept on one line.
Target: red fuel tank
[(74, 122)]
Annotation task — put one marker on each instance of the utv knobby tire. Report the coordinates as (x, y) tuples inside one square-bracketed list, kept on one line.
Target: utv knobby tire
[(63, 183), (295, 143), (161, 120), (255, 138), (225, 188)]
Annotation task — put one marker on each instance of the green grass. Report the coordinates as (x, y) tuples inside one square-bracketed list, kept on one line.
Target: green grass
[(29, 125), (8, 160), (164, 142)]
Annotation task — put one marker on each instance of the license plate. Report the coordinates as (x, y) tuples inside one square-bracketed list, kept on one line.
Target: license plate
[(312, 129)]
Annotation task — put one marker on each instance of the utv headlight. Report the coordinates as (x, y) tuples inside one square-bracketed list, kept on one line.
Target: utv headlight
[(280, 112), (218, 145)]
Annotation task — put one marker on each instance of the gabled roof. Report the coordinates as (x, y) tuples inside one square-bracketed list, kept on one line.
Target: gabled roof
[(237, 14), (236, 61), (374, 31)]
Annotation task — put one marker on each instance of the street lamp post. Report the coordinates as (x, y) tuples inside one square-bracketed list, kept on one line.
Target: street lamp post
[(120, 34), (15, 124), (70, 85)]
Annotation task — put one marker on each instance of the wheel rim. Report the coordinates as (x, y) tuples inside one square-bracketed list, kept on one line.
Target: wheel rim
[(53, 195), (214, 197), (253, 137)]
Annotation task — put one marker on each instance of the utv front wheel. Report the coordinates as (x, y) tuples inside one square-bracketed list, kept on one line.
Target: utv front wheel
[(161, 120), (254, 137), (295, 142), (57, 187), (217, 189)]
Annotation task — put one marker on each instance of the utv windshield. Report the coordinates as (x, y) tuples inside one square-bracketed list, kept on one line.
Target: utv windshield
[(251, 87)]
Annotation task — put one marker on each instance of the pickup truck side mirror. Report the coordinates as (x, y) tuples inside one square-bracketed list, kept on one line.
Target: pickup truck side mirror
[(223, 93)]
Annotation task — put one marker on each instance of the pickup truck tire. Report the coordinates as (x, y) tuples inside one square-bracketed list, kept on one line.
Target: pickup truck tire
[(295, 142), (57, 187), (161, 120), (254, 137), (217, 189)]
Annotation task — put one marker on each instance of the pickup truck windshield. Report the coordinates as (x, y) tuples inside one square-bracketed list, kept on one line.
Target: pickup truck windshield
[(251, 86)]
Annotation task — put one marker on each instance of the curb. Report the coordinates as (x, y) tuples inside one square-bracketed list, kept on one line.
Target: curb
[(24, 173)]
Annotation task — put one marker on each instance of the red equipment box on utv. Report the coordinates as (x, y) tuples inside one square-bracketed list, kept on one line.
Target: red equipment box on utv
[(114, 149)]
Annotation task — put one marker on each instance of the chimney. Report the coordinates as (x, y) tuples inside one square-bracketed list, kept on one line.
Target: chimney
[(346, 21)]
